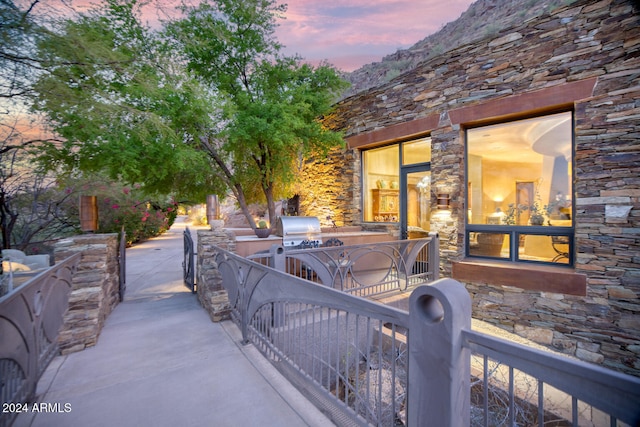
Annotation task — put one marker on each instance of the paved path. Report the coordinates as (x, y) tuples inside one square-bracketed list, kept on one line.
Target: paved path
[(160, 361)]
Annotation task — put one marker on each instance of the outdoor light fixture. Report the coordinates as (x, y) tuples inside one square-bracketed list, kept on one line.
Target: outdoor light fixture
[(443, 201)]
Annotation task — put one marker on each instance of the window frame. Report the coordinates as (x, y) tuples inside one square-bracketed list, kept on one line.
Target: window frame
[(401, 166), (363, 177), (515, 231)]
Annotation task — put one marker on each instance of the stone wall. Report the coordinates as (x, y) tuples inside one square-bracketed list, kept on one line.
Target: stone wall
[(328, 188), (534, 68), (95, 288), (211, 293)]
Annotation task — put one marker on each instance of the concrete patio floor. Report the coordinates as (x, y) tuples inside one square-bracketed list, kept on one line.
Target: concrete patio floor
[(160, 361)]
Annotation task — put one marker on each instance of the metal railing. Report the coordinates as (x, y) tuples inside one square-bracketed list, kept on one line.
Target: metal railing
[(481, 380), (345, 353), (517, 385), (188, 262), (354, 359), (362, 270), (30, 320)]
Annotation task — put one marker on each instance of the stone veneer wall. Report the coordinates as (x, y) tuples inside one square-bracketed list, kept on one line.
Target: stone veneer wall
[(211, 293), (95, 288), (591, 42), (328, 188), (331, 187)]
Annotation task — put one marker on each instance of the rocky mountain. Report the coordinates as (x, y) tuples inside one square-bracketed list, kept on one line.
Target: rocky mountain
[(484, 18)]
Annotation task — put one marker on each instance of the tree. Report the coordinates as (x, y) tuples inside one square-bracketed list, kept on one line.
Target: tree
[(272, 102), (118, 108), (41, 210), (20, 29), (235, 119), (33, 205)]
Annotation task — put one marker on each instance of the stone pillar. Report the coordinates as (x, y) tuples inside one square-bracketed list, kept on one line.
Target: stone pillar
[(95, 288), (211, 293)]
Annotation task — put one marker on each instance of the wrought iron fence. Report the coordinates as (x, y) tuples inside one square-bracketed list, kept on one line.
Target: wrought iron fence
[(188, 262), (122, 263), (356, 360), (30, 320), (362, 270), (514, 385), (347, 354)]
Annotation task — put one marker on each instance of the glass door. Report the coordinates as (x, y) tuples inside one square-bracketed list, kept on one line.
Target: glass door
[(415, 196)]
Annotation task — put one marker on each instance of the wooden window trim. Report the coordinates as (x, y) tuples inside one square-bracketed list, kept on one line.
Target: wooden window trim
[(395, 133), (536, 102), (531, 103), (532, 277)]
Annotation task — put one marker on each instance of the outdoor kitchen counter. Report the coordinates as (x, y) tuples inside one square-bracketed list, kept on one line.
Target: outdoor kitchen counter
[(250, 244)]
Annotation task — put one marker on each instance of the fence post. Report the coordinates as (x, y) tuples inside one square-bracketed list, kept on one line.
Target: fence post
[(439, 365), (277, 257), (278, 262), (188, 263), (122, 264), (434, 255)]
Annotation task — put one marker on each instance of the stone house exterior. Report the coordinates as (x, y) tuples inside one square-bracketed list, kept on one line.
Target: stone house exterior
[(570, 78)]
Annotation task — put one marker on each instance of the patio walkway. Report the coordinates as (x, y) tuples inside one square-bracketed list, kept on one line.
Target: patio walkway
[(160, 361)]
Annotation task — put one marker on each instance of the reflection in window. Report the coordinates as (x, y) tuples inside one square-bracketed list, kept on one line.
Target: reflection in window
[(489, 245), (418, 151), (520, 175), (545, 248), (520, 172), (381, 184)]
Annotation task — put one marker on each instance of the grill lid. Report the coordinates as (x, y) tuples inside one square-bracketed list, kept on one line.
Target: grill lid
[(295, 229)]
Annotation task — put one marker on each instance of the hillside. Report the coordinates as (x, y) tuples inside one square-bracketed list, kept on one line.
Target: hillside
[(484, 18)]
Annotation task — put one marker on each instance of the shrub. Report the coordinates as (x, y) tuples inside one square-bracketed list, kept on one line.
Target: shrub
[(128, 208)]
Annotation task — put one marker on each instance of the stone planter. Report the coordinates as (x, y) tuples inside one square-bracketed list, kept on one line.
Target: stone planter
[(263, 232)]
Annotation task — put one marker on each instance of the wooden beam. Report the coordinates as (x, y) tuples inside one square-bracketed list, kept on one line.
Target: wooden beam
[(520, 275)]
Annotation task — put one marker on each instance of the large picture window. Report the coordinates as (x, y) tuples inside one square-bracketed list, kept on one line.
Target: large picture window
[(519, 190)]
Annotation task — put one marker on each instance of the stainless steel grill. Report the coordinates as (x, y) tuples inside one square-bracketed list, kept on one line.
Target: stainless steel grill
[(294, 230)]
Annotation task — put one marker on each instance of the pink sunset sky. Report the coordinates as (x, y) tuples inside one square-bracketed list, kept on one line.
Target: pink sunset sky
[(346, 33), (351, 33)]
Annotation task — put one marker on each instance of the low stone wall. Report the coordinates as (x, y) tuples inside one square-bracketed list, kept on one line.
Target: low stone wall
[(211, 293), (95, 288)]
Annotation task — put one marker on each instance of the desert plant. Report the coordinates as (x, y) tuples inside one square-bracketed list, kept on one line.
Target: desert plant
[(127, 208)]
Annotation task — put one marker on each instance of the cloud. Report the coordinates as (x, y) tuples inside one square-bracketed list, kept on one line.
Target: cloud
[(363, 30), (347, 33)]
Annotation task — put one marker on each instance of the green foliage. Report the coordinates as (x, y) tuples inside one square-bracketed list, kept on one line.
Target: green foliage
[(207, 106), (19, 30), (130, 208), (271, 103), (117, 109)]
